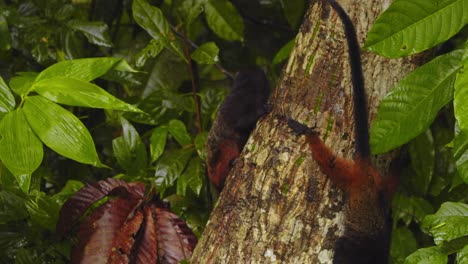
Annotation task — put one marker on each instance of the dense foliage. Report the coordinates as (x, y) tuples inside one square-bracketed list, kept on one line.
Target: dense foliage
[(144, 52)]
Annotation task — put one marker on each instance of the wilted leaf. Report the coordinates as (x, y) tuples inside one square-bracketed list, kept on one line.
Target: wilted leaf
[(175, 240), (125, 240), (75, 92), (77, 205), (99, 230), (223, 18), (409, 27), (60, 130), (147, 250)]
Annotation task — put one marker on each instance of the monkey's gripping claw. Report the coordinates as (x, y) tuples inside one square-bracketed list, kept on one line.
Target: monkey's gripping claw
[(298, 128)]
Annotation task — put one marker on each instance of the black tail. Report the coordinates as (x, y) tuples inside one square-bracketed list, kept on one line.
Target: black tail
[(361, 129)]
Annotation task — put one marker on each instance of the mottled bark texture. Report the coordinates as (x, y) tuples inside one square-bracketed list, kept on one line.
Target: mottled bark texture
[(277, 206)]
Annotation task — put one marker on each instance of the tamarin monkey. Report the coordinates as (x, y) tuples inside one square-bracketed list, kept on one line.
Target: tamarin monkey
[(236, 118), (367, 227)]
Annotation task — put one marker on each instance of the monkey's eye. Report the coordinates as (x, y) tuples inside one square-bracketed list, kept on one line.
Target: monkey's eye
[(232, 162)]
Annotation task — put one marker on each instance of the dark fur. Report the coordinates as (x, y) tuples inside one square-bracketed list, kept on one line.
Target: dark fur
[(236, 118)]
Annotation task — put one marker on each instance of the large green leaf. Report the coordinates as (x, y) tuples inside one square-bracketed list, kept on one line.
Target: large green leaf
[(96, 32), (170, 167), (460, 146), (12, 207), (22, 84), (5, 42), (20, 149), (449, 223), (151, 19), (431, 255), (192, 177), (403, 243), (60, 130), (81, 69), (206, 54), (7, 100), (412, 105), (462, 256), (422, 154), (411, 26), (158, 142), (130, 150), (224, 20), (460, 153), (178, 130), (75, 92)]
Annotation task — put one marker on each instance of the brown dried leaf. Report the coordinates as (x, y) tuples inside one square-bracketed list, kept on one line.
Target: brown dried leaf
[(98, 232), (147, 246), (175, 239), (77, 205), (125, 239)]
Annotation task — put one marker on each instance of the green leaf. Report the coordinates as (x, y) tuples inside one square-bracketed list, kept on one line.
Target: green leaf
[(412, 105), (43, 210), (96, 32), (158, 142), (192, 177), (190, 10), (460, 148), (20, 149), (178, 130), (293, 11), (206, 54), (412, 26), (284, 52), (60, 130), (5, 42), (81, 69), (403, 244), (170, 166), (7, 100), (431, 255), (200, 146), (422, 153), (22, 84), (460, 153), (151, 19), (12, 207), (152, 50), (223, 18), (130, 150), (412, 208), (75, 92), (462, 256), (450, 222), (461, 97)]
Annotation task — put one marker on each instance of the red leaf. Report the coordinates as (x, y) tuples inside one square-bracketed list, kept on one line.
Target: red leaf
[(124, 240), (77, 205), (147, 245), (175, 239), (98, 232)]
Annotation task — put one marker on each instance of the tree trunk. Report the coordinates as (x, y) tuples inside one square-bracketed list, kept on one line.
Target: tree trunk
[(277, 205)]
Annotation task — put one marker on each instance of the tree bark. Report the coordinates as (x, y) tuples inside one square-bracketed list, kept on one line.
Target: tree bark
[(277, 206)]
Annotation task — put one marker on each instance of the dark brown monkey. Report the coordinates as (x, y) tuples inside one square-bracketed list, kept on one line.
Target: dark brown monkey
[(235, 120), (367, 232)]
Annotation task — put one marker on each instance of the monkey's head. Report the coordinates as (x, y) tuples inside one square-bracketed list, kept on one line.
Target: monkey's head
[(222, 162)]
